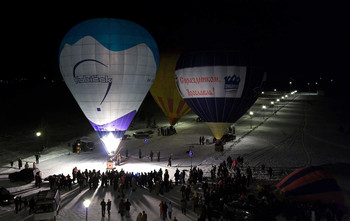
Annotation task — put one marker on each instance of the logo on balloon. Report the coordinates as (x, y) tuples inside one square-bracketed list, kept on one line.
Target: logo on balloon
[(96, 78), (231, 83)]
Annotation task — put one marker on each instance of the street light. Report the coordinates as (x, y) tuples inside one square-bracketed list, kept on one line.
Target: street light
[(290, 86), (251, 113), (278, 100), (87, 204), (38, 134), (264, 107)]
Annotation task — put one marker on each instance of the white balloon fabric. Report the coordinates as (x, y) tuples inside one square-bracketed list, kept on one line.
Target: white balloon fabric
[(109, 66)]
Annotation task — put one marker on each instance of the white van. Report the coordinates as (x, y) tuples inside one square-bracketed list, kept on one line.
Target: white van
[(47, 205)]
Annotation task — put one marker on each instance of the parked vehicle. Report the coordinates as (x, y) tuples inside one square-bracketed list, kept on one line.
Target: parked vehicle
[(84, 143), (6, 197), (47, 205), (143, 134), (26, 175)]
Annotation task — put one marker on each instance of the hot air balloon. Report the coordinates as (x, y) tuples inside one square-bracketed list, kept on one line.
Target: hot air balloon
[(324, 183), (164, 89), (109, 66), (218, 85)]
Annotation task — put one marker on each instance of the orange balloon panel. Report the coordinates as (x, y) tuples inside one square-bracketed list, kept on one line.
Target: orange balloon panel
[(164, 90)]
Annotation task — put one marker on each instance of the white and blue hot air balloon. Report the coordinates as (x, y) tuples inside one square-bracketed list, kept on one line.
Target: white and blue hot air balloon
[(109, 66)]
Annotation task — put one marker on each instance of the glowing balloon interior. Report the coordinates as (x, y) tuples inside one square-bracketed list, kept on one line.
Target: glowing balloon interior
[(219, 86), (109, 66)]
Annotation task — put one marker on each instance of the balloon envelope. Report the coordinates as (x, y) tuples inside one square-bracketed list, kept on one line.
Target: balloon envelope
[(164, 89), (109, 66), (219, 86), (325, 183)]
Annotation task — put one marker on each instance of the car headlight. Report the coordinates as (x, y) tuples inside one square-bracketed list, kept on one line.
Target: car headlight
[(5, 201)]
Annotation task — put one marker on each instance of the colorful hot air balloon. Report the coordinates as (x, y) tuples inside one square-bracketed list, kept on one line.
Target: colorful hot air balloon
[(219, 86), (109, 66), (325, 183), (164, 89)]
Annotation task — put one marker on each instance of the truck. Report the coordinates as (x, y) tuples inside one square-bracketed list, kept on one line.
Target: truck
[(47, 205)]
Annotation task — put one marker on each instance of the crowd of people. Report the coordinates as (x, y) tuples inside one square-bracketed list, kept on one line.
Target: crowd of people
[(227, 193)]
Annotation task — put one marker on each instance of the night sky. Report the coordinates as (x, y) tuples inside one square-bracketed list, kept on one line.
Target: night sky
[(294, 40)]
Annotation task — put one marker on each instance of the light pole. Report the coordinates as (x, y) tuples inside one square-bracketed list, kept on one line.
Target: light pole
[(272, 105), (87, 204), (263, 107), (251, 113), (290, 86)]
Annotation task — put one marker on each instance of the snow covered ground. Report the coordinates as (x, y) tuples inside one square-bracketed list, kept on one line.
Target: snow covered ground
[(304, 131)]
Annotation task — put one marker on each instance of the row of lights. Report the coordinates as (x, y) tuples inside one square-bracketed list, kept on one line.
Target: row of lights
[(264, 107)]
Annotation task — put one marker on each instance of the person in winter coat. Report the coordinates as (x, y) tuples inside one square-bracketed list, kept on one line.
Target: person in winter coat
[(26, 166), (38, 180), (19, 163), (103, 207), (165, 209), (169, 161), (139, 217), (127, 205), (170, 209), (161, 209), (144, 216), (151, 155), (133, 184), (122, 208), (109, 204)]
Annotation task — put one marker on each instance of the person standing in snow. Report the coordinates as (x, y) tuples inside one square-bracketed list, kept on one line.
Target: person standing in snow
[(169, 161), (170, 209), (37, 158), (151, 155), (127, 205), (109, 204), (19, 163), (122, 208), (38, 180), (139, 153), (270, 172), (161, 209), (165, 209), (103, 207), (133, 184), (144, 216), (158, 156), (139, 217), (11, 163)]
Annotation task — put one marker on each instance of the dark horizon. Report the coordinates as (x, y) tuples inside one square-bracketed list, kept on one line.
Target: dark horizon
[(294, 41)]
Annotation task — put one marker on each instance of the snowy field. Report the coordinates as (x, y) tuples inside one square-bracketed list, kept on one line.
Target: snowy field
[(304, 131)]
